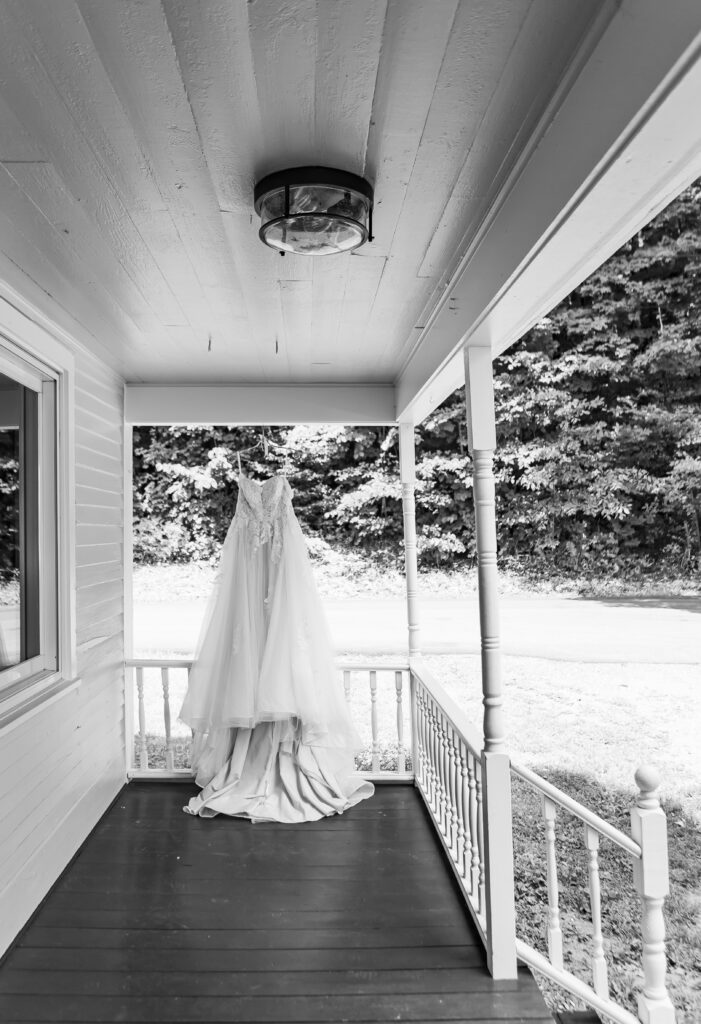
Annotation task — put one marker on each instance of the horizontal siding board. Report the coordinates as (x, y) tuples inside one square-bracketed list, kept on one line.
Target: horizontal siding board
[(95, 441), (98, 533), (94, 496), (98, 514), (92, 554), (95, 575), (64, 752), (110, 429)]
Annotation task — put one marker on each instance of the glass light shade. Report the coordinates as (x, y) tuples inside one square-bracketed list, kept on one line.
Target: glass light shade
[(312, 218)]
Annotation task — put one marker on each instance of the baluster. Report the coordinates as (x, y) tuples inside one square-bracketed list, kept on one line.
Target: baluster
[(453, 792), (346, 685), (445, 729), (401, 757), (463, 814), (373, 719), (480, 832), (143, 747), (440, 769), (165, 683), (598, 963), (651, 875), (433, 784), (475, 854), (440, 802), (417, 726), (554, 931)]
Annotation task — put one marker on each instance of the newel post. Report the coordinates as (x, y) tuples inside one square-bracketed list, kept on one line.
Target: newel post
[(496, 765), (648, 826), (407, 472)]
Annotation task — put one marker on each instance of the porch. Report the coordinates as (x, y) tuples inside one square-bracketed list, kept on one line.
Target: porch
[(165, 917)]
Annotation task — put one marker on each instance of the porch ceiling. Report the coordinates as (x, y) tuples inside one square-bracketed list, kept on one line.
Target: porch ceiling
[(131, 135)]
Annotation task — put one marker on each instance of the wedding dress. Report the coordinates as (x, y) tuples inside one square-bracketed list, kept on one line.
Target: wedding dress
[(272, 735)]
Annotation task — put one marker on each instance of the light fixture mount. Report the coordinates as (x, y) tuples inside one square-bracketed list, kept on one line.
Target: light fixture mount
[(314, 211)]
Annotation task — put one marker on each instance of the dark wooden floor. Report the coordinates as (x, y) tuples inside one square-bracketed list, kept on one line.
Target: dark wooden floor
[(165, 917)]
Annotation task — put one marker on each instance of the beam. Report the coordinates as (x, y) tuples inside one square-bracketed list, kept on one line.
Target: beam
[(620, 140), (258, 405)]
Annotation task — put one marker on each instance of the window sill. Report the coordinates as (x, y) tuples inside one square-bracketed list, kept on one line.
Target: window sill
[(24, 699)]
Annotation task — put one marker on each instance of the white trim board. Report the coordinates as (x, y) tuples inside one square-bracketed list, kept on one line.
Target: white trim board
[(258, 405)]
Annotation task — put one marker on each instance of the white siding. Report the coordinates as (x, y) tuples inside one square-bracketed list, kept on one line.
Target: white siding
[(60, 768)]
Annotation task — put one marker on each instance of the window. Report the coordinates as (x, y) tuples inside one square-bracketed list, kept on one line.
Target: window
[(28, 524)]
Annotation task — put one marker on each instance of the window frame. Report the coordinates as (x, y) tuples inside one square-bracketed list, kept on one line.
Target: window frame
[(44, 364)]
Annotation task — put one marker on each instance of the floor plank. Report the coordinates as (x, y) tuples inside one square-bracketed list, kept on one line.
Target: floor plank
[(165, 917)]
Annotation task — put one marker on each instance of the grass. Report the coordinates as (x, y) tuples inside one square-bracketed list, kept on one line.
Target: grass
[(349, 574)]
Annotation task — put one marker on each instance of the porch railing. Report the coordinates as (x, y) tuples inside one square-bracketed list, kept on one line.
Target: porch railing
[(439, 749), (386, 711)]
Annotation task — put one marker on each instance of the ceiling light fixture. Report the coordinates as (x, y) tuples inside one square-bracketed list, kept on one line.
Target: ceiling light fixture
[(314, 211)]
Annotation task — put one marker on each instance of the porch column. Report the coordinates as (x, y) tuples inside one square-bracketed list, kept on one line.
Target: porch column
[(496, 771), (407, 472)]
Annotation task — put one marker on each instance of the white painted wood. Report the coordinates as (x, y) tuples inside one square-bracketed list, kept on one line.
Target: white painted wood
[(554, 931), (648, 825), (373, 721), (407, 467), (401, 753), (549, 229), (62, 761), (496, 774), (165, 683), (579, 988), (259, 405), (598, 961), (131, 138)]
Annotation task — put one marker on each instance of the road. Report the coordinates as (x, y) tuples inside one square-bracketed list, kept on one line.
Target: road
[(643, 630)]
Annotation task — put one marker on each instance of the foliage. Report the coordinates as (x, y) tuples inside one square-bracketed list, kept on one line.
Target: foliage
[(599, 441)]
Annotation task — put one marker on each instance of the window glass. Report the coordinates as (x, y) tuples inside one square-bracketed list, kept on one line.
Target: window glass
[(20, 626)]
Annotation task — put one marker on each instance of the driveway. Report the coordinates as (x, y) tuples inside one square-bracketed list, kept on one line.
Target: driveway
[(643, 630)]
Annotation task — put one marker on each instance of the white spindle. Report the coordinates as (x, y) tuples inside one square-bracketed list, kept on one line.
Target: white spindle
[(401, 757), (651, 875), (165, 683), (598, 961), (463, 815), (373, 721), (347, 685), (453, 791), (554, 931), (143, 746), (480, 836)]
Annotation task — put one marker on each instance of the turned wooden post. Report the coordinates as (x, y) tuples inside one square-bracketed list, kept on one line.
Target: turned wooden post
[(496, 767), (648, 826), (407, 470), (407, 473)]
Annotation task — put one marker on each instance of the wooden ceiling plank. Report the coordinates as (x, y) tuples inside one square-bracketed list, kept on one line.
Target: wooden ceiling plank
[(57, 101), (213, 46), (295, 302), (403, 94), (283, 38), (135, 47), (349, 40), (328, 288), (49, 244), (353, 342), (24, 263), (546, 43), (80, 239), (16, 143)]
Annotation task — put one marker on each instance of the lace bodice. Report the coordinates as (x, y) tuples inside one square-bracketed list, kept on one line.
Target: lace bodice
[(262, 509)]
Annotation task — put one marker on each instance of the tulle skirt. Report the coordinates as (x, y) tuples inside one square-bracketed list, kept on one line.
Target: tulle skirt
[(273, 738)]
